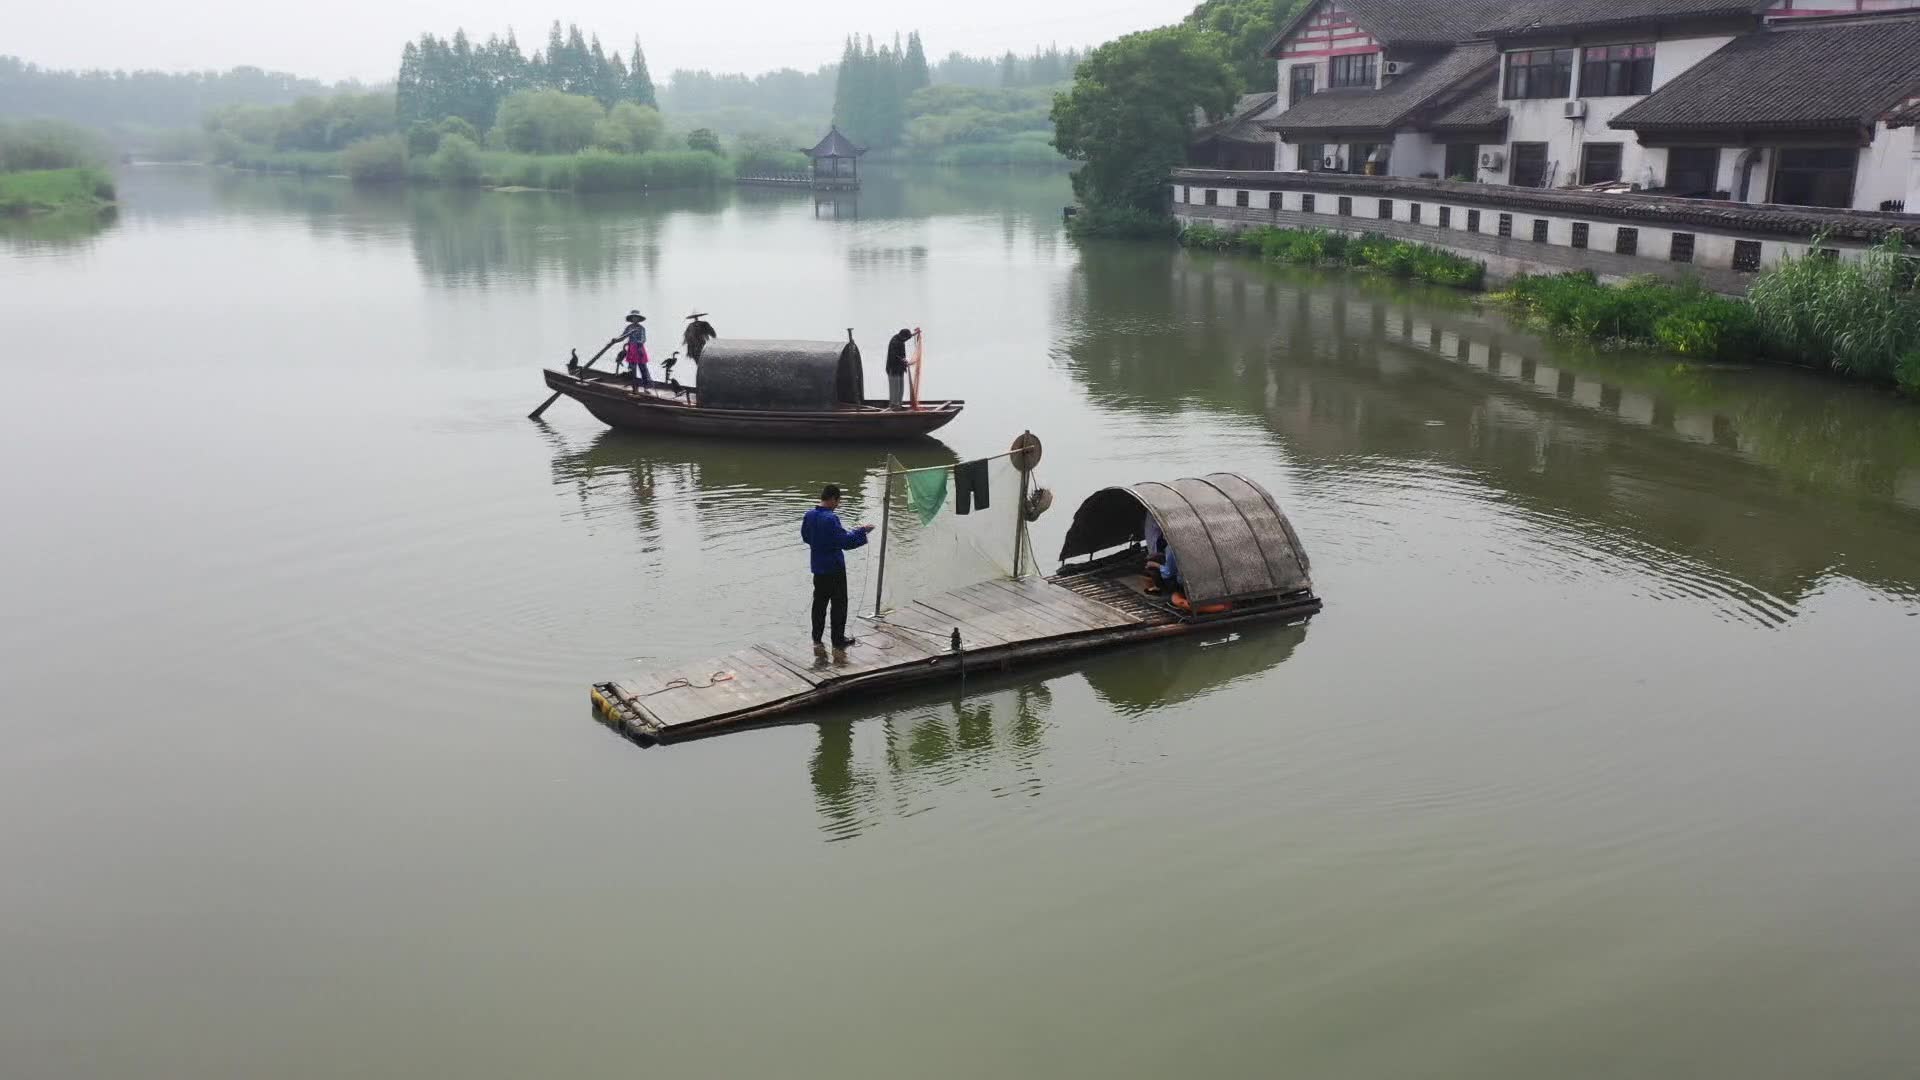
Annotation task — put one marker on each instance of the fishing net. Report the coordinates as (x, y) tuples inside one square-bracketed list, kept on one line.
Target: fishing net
[(933, 547)]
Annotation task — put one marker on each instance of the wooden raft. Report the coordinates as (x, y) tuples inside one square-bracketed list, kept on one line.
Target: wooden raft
[(999, 622)]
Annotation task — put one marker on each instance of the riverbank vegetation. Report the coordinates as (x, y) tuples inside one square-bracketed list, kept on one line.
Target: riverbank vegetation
[(1858, 318), (1368, 251), (47, 166), (1128, 116)]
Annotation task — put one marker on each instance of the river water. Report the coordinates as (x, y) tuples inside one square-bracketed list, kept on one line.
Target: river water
[(1599, 763)]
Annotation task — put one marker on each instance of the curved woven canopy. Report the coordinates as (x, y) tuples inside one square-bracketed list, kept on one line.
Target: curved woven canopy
[(747, 374), (1230, 538)]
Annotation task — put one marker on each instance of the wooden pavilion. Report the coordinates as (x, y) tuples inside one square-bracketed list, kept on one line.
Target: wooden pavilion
[(836, 162)]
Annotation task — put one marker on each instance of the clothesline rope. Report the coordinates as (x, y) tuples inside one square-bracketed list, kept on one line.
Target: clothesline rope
[(935, 468)]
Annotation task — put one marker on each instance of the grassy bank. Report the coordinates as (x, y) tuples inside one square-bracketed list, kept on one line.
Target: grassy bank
[(1858, 318), (1368, 251), (39, 191), (457, 166)]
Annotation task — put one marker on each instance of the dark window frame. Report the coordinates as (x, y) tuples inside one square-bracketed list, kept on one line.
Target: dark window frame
[(1516, 155), (1623, 70), (1296, 92), (1746, 256), (1537, 74), (1274, 202), (1587, 164), (1471, 151), (1413, 213), (1580, 230), (1626, 240), (1354, 71), (1386, 210), (1346, 206), (1306, 203), (1676, 174), (1473, 221), (1805, 180), (1506, 226), (1243, 199), (1446, 217), (1540, 225), (1681, 250), (1212, 197)]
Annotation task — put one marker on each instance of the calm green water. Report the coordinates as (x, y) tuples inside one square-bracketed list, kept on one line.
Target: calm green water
[(1600, 762)]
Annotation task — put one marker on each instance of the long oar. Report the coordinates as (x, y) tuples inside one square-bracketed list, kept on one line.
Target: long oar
[(535, 414)]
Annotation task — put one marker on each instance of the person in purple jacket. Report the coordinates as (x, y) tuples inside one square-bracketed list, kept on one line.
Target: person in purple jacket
[(829, 541)]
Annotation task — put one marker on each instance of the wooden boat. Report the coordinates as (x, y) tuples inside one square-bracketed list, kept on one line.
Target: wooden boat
[(1240, 563), (757, 390)]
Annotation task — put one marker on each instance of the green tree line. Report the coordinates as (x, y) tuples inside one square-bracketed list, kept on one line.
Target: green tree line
[(439, 78)]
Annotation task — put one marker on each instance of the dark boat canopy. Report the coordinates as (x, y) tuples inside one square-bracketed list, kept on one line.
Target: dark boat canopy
[(745, 374), (1228, 535)]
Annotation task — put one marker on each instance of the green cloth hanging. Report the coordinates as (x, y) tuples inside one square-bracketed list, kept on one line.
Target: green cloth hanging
[(927, 493)]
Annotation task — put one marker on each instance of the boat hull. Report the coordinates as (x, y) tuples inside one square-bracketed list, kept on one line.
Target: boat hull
[(618, 405)]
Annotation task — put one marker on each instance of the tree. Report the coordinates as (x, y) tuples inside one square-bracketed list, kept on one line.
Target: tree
[(1246, 27), (406, 86), (457, 162), (547, 122), (703, 139), (629, 128), (1129, 113), (639, 80), (379, 158), (914, 72)]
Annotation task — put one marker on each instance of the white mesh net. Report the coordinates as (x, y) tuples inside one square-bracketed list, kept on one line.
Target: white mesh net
[(949, 549)]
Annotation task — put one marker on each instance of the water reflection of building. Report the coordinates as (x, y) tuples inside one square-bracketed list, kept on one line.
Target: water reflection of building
[(1751, 486)]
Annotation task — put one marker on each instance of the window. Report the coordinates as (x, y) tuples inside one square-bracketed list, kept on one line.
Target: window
[(1599, 162), (1310, 156), (1529, 165), (1299, 83), (1186, 193), (1241, 198), (1213, 197), (1539, 230), (1626, 241), (1814, 177), (1682, 251), (1617, 71), (1413, 213), (1357, 69), (1306, 204), (1579, 234), (1273, 200), (1386, 209), (1446, 216), (1506, 225), (1463, 162), (1746, 255), (1541, 73), (1346, 206), (1693, 170), (1473, 221), (1358, 154)]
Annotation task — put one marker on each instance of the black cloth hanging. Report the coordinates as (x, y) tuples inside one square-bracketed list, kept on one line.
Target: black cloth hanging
[(970, 486)]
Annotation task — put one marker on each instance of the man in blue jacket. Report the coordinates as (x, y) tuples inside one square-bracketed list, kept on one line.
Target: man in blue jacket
[(829, 540)]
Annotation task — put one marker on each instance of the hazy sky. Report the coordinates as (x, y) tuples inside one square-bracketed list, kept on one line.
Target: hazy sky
[(362, 38)]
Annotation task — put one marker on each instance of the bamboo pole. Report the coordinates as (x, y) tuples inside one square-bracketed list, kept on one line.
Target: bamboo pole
[(880, 573)]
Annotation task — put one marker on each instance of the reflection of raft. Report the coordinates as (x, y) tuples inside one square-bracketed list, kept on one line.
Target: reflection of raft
[(757, 390), (1234, 545)]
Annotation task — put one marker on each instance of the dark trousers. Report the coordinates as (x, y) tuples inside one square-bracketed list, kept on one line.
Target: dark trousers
[(830, 589)]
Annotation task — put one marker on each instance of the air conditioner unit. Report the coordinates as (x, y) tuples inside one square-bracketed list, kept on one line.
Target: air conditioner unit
[(1399, 67), (1493, 160), (1574, 110), (1331, 163)]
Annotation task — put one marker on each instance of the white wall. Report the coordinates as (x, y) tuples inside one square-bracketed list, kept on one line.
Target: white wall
[(1913, 174), (1541, 119), (1886, 169)]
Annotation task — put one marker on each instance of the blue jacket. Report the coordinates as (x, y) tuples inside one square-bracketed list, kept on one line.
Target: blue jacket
[(822, 531)]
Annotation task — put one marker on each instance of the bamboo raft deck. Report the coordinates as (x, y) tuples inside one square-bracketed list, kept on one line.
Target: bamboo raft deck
[(999, 624)]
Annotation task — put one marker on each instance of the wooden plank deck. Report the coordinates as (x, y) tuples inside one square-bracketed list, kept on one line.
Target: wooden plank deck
[(907, 642)]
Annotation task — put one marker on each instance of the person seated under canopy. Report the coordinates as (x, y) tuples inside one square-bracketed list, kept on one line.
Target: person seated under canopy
[(1162, 569)]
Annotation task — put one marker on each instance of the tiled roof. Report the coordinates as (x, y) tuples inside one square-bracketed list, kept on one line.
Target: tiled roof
[(835, 145), (1532, 16), (1409, 23), (1804, 76), (1477, 109), (1243, 123), (1363, 110)]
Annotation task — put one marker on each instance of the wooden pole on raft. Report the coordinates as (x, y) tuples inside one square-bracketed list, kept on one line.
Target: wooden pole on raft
[(886, 506), (919, 358), (535, 414), (1025, 455)]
